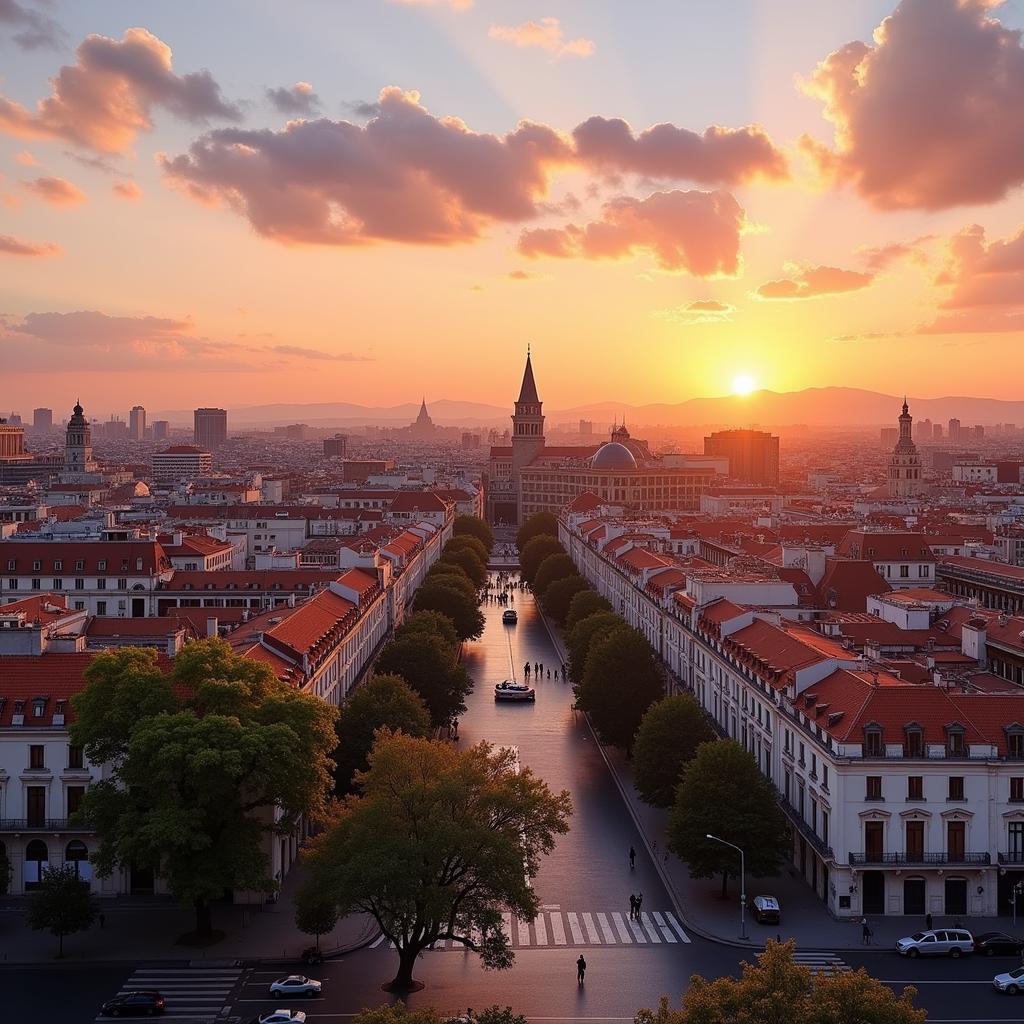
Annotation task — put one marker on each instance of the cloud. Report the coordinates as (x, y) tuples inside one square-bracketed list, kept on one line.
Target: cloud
[(107, 97), (719, 156), (19, 247), (930, 116), (315, 353), (34, 30), (523, 275), (296, 99), (700, 311), (458, 5), (26, 159), (811, 282), (545, 34), (403, 176), (693, 232), (884, 256), (55, 191), (126, 190)]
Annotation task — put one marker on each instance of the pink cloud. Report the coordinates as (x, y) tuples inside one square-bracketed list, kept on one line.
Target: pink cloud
[(33, 29), (126, 190), (55, 191), (26, 159), (813, 282), (692, 232), (930, 116), (700, 311), (884, 256), (545, 34), (107, 97), (721, 155), (19, 247), (297, 99)]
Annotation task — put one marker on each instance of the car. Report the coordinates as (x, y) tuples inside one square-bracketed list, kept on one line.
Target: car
[(510, 616), (1012, 982), (766, 910), (281, 1017), (997, 944), (137, 1003), (952, 942), (296, 985), (509, 690)]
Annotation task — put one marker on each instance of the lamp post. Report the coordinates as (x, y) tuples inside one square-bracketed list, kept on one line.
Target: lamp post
[(743, 881)]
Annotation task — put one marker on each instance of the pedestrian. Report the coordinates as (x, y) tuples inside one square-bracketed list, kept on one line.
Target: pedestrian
[(549, 673), (639, 904), (928, 921), (102, 920), (632, 907), (632, 857), (581, 969), (556, 675), (865, 932)]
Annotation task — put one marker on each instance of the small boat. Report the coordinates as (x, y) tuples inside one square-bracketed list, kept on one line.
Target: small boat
[(510, 690), (509, 616)]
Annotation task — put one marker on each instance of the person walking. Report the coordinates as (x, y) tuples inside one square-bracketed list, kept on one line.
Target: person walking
[(632, 857), (581, 969), (632, 907), (556, 675), (639, 904), (928, 921), (865, 932)]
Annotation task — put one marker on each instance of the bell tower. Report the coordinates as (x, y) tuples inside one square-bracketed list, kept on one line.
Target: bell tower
[(527, 429)]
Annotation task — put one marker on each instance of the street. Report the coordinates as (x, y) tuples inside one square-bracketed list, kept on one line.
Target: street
[(584, 890)]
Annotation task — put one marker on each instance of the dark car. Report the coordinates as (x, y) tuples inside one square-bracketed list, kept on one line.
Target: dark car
[(140, 1003), (997, 944)]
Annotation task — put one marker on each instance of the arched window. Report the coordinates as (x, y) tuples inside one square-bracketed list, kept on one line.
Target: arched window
[(37, 860), (77, 856)]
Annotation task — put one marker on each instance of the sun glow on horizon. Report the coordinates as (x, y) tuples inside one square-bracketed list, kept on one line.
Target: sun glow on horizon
[(743, 384)]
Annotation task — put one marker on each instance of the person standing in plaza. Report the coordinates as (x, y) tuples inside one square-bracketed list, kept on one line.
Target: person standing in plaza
[(581, 969)]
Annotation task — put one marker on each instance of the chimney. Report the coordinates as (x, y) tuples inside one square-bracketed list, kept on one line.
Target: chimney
[(211, 626), (176, 539)]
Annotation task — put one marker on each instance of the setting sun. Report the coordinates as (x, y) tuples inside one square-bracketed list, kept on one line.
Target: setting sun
[(743, 384)]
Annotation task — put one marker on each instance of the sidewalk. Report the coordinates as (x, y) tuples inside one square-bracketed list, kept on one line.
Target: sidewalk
[(146, 928)]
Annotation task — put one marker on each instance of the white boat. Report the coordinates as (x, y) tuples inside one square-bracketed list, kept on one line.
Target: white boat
[(510, 690)]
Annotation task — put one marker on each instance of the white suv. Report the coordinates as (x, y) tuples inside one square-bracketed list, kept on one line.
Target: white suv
[(952, 942)]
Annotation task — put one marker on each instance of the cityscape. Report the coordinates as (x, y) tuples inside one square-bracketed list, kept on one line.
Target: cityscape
[(522, 525)]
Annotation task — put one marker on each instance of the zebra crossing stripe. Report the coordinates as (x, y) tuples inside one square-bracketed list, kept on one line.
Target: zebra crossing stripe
[(622, 928), (523, 928), (652, 932), (676, 926), (591, 928), (606, 929), (638, 930), (557, 931), (574, 928), (666, 932), (541, 931)]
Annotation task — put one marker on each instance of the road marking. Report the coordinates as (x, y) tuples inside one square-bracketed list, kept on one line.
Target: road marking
[(823, 962), (540, 930), (606, 928), (591, 929), (524, 931), (622, 928), (649, 927), (574, 927), (676, 926), (376, 942), (638, 930), (666, 932), (193, 994), (557, 931)]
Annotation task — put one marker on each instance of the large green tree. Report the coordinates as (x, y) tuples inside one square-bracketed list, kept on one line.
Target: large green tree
[(437, 844), (620, 682), (469, 562), (666, 741), (433, 623), (555, 567), (777, 990), (62, 905), (583, 634), (205, 761), (437, 596), (467, 542), (315, 916), (585, 603), (723, 793), (449, 574), (428, 665), (559, 594), (536, 526), (472, 526), (535, 552), (383, 701)]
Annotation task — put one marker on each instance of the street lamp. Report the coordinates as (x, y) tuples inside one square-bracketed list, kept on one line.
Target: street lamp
[(743, 881)]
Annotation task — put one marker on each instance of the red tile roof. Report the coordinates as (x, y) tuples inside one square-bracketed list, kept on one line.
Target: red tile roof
[(90, 553)]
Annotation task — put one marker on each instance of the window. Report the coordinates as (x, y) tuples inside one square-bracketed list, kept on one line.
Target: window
[(36, 566), (955, 746), (11, 564), (101, 565), (1015, 741), (36, 756), (101, 583), (824, 827), (101, 607), (824, 776), (58, 584), (74, 756), (873, 741), (80, 564), (915, 787), (12, 584), (915, 741), (58, 565), (874, 787), (956, 787), (915, 841), (75, 794), (801, 758), (122, 584), (138, 565), (124, 565), (922, 571), (1017, 788), (79, 584), (36, 584)]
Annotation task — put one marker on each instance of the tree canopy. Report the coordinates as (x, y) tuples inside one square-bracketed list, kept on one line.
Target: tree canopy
[(205, 760), (437, 843), (468, 561), (585, 603), (555, 567), (581, 636), (472, 526), (620, 682), (449, 574), (437, 595), (62, 905), (667, 739), (433, 623), (723, 792), (467, 542), (536, 526), (535, 552), (559, 594), (776, 990), (383, 701), (429, 666)]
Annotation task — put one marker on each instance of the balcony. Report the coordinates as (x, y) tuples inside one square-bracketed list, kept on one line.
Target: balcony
[(1013, 857), (42, 825), (805, 830), (899, 860)]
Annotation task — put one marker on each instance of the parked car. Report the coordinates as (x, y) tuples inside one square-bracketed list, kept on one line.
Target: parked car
[(509, 690), (997, 944), (952, 942), (766, 910), (311, 956), (140, 1003), (1012, 982), (282, 1017), (510, 616), (296, 985)]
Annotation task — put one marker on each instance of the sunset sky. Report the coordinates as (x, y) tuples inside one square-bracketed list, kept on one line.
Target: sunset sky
[(232, 203)]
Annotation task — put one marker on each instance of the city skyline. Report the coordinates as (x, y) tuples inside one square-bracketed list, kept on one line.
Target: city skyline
[(775, 232)]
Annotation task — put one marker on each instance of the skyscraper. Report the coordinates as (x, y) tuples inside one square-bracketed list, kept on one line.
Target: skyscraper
[(753, 455), (137, 423), (210, 427), (42, 420), (161, 430), (954, 430)]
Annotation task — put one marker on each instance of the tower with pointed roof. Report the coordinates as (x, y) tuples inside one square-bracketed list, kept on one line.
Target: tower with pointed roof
[(905, 477), (424, 425), (78, 460), (527, 423)]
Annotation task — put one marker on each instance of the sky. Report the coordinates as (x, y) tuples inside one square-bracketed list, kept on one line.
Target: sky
[(373, 200)]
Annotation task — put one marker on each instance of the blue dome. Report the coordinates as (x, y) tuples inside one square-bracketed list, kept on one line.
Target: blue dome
[(613, 456)]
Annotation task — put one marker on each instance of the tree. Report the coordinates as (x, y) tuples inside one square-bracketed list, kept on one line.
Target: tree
[(582, 636), (472, 526), (536, 526), (205, 760), (498, 1015), (384, 701), (724, 793), (469, 562), (398, 1013), (777, 990), (62, 905), (620, 682), (667, 739), (555, 567), (428, 665), (437, 844), (467, 542), (316, 916), (585, 603), (449, 574), (559, 594), (433, 623), (464, 612), (535, 552)]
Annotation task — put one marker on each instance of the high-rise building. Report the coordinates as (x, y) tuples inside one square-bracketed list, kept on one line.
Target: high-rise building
[(889, 437), (753, 455), (336, 447), (979, 432), (586, 427), (161, 430), (424, 427), (42, 420), (137, 423), (12, 440), (937, 431), (210, 427), (954, 429), (182, 462), (923, 431), (905, 479)]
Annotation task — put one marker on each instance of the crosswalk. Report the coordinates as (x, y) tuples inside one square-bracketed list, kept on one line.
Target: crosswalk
[(822, 963), (194, 995), (555, 928)]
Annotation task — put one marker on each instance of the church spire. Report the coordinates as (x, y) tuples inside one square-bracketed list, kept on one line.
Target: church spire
[(528, 392)]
